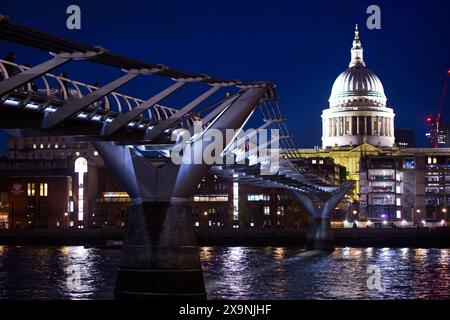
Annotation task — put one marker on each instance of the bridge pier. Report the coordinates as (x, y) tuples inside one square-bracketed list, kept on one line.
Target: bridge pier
[(160, 257), (320, 234)]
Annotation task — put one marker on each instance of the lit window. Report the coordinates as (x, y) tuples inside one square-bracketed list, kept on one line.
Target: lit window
[(397, 189), (42, 146), (211, 198), (77, 153), (31, 189), (321, 162), (56, 146), (34, 146), (258, 197), (399, 214), (266, 211), (314, 161), (429, 160), (399, 202), (434, 160), (95, 153), (43, 189)]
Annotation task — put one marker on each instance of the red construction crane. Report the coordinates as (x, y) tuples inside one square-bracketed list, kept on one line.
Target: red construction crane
[(437, 134)]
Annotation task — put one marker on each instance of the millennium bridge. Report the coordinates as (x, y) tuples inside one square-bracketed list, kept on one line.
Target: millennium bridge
[(160, 256)]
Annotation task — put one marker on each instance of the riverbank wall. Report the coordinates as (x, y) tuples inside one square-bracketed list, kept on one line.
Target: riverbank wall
[(367, 237)]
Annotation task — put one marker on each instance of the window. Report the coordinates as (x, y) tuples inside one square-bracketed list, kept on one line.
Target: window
[(280, 211), (258, 197), (31, 189), (409, 163), (56, 146), (211, 198), (34, 146), (398, 202), (43, 189), (314, 161), (320, 161), (95, 153), (266, 210), (375, 199), (399, 214)]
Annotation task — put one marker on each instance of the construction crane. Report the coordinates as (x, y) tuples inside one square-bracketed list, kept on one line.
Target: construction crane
[(438, 130)]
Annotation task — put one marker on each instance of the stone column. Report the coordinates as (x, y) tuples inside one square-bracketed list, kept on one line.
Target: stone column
[(365, 125), (392, 127), (357, 125), (378, 126), (347, 125), (330, 127)]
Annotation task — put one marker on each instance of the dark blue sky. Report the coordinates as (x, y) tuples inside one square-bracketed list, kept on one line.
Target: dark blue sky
[(302, 46)]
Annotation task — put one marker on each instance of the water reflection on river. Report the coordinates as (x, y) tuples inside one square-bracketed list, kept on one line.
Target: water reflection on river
[(236, 273)]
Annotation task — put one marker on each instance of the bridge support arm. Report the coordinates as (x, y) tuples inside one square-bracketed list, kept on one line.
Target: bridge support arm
[(165, 124), (76, 105), (26, 76), (233, 118), (124, 119), (335, 199)]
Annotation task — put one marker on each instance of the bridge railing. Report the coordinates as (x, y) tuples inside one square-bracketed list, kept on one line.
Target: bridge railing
[(62, 88)]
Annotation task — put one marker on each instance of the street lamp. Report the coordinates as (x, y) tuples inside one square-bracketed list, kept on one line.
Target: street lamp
[(66, 217), (418, 214)]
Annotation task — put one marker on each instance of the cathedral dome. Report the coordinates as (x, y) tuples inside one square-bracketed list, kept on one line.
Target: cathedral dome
[(357, 113), (355, 84)]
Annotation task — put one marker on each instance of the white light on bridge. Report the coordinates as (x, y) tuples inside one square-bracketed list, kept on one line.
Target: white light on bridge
[(11, 102), (32, 106)]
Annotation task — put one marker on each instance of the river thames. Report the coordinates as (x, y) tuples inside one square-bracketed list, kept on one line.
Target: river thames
[(31, 272)]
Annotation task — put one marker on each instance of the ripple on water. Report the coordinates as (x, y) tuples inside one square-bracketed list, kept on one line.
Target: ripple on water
[(237, 273)]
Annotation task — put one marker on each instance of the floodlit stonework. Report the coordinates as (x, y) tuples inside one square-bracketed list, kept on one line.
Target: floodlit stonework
[(357, 113)]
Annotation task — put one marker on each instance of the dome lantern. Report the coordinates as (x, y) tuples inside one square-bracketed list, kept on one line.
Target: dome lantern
[(357, 52)]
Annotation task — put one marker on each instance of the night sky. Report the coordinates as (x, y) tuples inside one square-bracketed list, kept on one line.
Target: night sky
[(302, 46)]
